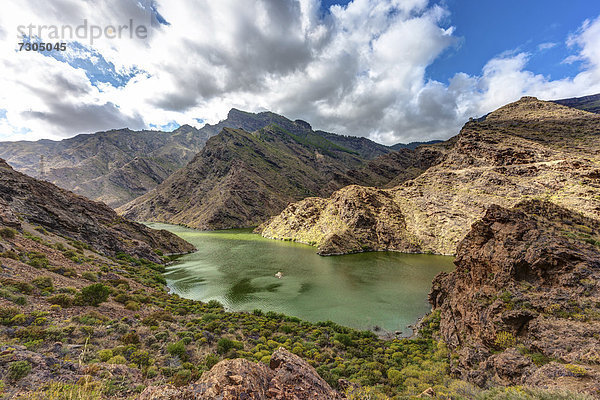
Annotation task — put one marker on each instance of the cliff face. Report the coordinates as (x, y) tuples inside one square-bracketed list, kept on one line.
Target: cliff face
[(526, 150), (523, 306), (25, 200)]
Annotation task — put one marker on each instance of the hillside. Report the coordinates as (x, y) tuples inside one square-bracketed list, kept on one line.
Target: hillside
[(85, 314), (240, 178), (525, 150), (27, 202)]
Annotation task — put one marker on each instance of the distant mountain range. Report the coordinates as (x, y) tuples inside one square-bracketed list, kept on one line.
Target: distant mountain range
[(586, 103), (242, 178)]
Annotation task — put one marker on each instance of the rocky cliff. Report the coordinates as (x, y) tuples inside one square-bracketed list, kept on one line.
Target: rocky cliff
[(523, 306), (529, 149), (25, 200)]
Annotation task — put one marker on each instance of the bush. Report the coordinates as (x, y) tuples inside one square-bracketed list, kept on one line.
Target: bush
[(62, 300), (90, 276), (18, 370), (177, 349), (8, 233), (44, 283), (117, 360), (504, 340), (105, 355), (130, 338), (182, 377), (94, 295), (224, 345), (211, 360)]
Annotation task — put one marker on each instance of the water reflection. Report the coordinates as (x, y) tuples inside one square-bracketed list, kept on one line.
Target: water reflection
[(360, 290)]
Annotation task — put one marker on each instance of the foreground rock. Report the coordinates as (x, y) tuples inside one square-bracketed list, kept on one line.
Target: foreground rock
[(25, 200), (527, 149), (287, 377), (523, 306)]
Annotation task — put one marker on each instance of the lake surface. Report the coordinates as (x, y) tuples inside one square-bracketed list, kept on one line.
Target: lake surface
[(364, 290)]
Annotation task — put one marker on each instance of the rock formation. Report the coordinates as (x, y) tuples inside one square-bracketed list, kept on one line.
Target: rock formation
[(529, 149), (523, 306), (287, 377)]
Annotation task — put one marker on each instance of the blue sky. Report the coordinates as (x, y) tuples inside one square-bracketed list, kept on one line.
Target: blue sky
[(391, 70), (486, 28)]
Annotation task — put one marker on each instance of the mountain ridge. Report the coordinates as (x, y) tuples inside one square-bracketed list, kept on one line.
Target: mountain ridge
[(525, 149)]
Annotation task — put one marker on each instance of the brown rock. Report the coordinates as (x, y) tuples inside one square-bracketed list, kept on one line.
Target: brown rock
[(288, 377), (524, 277)]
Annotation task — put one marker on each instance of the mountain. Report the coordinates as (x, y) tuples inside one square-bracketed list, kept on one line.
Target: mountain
[(114, 166), (413, 145), (523, 305), (529, 149), (27, 202), (120, 165), (586, 103), (242, 178)]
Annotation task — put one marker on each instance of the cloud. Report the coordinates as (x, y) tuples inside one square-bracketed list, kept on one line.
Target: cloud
[(358, 69), (546, 46)]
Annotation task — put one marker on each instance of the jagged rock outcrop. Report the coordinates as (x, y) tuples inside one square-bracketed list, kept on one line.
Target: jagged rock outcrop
[(525, 150), (26, 200), (523, 306), (287, 377)]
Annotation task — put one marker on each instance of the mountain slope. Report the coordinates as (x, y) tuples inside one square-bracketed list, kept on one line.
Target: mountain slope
[(25, 200), (585, 103), (239, 179), (119, 165), (523, 306), (527, 149)]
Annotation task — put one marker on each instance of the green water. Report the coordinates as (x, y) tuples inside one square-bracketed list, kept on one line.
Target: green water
[(364, 290)]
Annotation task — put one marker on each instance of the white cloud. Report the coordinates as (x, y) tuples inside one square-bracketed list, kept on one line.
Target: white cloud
[(358, 70)]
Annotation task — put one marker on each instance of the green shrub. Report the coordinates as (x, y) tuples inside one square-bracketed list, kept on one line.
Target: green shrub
[(182, 377), (90, 276), (61, 299), (118, 360), (18, 370), (44, 283), (177, 349), (141, 358), (224, 345), (130, 338), (211, 360), (504, 340), (8, 233), (93, 295), (105, 355)]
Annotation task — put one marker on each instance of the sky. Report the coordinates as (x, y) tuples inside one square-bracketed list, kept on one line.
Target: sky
[(390, 70)]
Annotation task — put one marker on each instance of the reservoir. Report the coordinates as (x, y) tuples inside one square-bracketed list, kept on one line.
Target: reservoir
[(363, 291)]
